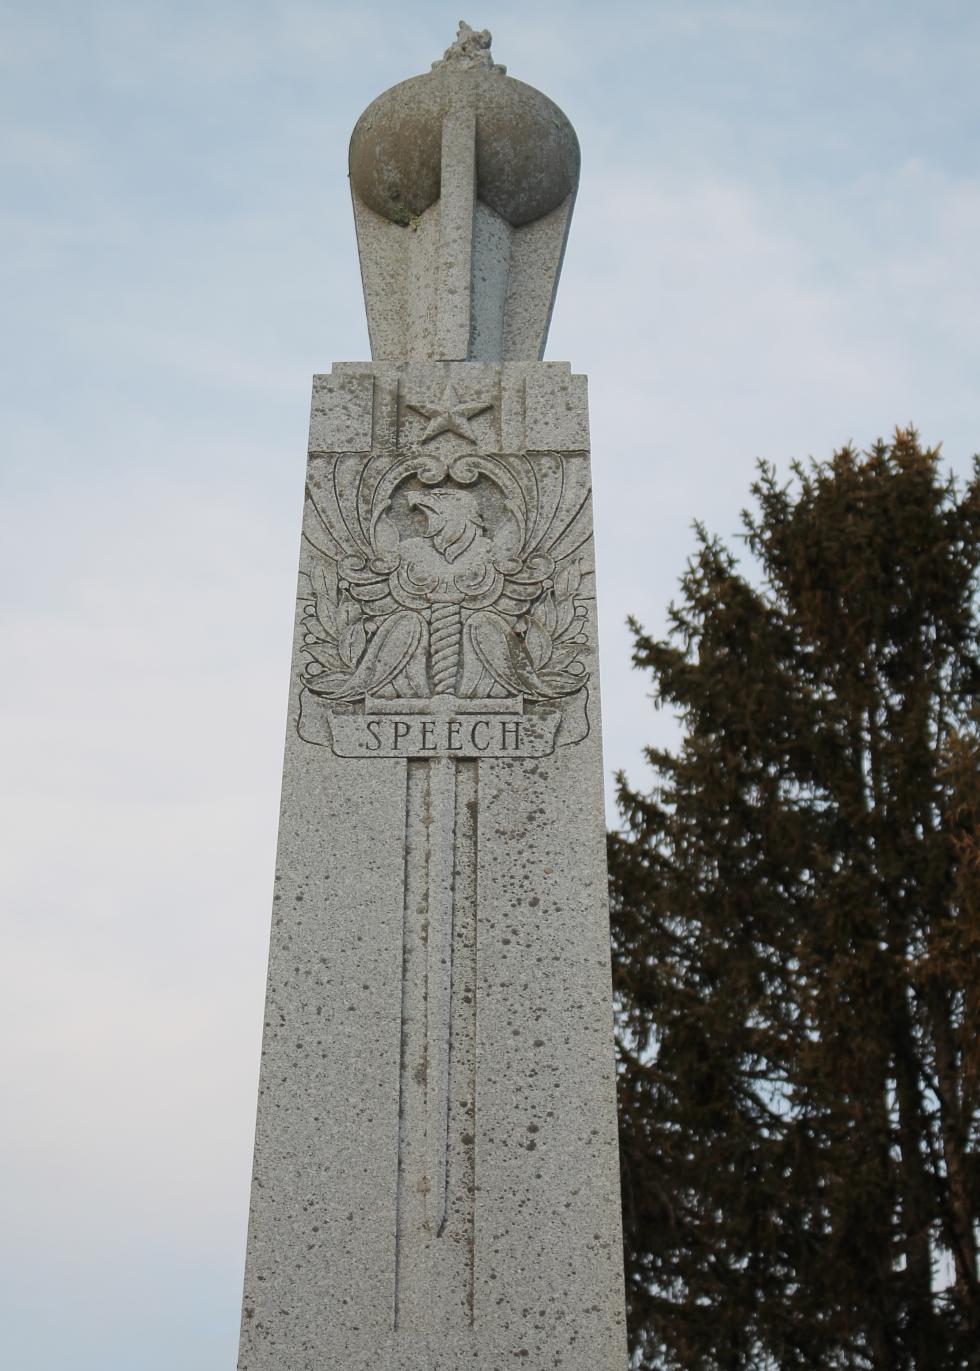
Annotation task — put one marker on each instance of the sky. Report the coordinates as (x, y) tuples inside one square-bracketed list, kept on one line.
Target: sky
[(774, 252)]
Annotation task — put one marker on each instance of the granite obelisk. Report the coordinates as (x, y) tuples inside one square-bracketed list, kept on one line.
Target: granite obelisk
[(436, 1183)]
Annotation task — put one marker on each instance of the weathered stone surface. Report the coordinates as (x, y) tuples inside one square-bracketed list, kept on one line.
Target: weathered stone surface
[(463, 182), (527, 155), (436, 1177)]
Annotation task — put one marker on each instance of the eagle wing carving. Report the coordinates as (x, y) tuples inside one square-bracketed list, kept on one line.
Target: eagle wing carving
[(496, 539)]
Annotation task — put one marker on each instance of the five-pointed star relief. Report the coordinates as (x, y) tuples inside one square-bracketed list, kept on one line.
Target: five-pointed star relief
[(451, 415)]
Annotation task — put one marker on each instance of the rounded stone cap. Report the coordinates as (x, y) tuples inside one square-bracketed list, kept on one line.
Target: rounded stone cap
[(527, 154)]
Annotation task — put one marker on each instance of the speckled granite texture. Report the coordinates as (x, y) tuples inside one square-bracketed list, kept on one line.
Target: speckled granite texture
[(436, 1178)]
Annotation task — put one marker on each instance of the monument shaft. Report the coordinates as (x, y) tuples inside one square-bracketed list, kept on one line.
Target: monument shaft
[(436, 1176)]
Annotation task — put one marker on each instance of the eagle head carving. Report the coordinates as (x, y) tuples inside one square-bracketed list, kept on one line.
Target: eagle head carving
[(453, 519)]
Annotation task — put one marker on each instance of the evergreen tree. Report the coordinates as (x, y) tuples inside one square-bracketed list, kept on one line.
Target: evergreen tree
[(796, 930)]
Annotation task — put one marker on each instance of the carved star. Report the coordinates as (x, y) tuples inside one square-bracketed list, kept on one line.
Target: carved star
[(450, 416)]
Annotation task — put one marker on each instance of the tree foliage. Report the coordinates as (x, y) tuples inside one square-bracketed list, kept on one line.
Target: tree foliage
[(796, 929)]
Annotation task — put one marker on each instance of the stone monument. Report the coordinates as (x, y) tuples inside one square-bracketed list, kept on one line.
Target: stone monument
[(436, 1181)]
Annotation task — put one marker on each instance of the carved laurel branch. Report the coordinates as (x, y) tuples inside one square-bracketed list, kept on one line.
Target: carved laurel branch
[(335, 633), (336, 630), (553, 627)]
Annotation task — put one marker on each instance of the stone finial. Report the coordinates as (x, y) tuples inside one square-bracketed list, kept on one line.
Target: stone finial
[(470, 49), (463, 182)]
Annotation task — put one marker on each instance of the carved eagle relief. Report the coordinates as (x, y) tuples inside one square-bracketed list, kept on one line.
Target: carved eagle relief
[(437, 576)]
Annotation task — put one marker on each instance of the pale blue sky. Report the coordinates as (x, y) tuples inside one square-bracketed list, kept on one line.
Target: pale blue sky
[(774, 251)]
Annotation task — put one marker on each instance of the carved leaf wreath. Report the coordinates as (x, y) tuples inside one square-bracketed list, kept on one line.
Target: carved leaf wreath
[(553, 627), (335, 634)]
